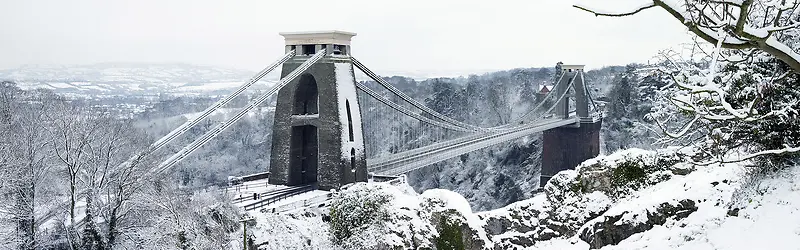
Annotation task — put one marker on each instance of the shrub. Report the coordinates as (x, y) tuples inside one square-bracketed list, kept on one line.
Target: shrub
[(450, 236), (629, 173), (355, 209)]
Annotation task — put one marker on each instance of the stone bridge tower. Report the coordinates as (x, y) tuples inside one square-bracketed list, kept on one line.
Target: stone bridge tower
[(317, 136), (566, 147)]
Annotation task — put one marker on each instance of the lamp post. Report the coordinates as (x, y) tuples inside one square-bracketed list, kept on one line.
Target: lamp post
[(244, 221)]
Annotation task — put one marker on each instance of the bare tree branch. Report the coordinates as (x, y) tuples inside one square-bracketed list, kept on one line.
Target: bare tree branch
[(619, 14), (705, 21)]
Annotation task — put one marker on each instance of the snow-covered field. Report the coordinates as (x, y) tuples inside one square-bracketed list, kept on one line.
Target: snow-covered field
[(132, 79), (225, 113)]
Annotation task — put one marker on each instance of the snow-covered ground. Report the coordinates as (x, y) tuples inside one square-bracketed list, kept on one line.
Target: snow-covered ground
[(243, 193), (735, 210), (410, 215), (732, 209), (769, 215)]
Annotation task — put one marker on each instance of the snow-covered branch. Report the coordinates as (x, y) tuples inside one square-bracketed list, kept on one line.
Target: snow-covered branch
[(615, 14), (737, 21), (785, 150), (734, 100)]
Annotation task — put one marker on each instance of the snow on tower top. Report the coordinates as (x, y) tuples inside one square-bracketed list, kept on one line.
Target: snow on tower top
[(318, 37)]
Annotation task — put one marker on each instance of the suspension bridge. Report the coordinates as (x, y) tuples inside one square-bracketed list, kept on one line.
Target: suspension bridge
[(330, 130)]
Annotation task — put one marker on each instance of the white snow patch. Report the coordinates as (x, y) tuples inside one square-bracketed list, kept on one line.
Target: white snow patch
[(93, 88), (60, 85), (451, 199), (345, 82), (208, 86), (278, 231), (538, 202)]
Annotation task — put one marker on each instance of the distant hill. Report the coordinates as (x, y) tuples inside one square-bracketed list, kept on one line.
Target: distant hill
[(111, 79)]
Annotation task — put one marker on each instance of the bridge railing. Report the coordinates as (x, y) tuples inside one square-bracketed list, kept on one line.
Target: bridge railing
[(283, 194)]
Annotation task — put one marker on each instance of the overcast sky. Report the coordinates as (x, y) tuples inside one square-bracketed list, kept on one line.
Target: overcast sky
[(393, 36)]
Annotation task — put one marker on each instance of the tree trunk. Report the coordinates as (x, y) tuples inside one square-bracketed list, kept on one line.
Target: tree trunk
[(113, 219), (112, 228), (26, 229), (91, 238), (72, 201)]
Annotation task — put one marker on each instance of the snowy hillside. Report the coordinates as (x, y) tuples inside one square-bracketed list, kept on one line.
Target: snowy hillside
[(672, 206), (129, 79)]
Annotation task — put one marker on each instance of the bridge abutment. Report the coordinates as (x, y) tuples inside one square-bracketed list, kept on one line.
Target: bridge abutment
[(566, 147), (317, 133)]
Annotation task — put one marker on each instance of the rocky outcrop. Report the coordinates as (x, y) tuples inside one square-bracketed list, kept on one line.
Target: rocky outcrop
[(571, 205), (573, 198), (558, 212), (520, 226), (610, 229), (619, 176)]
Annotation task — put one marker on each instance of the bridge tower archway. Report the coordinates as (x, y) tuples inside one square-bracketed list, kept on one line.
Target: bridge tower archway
[(317, 136), (306, 96)]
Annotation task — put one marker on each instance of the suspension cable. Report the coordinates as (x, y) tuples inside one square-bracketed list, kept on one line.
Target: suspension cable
[(395, 159), (530, 112), (189, 124), (410, 100), (194, 121), (440, 116), (405, 111), (557, 101), (588, 94), (186, 151)]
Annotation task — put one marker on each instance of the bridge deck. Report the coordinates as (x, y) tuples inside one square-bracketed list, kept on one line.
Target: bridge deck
[(407, 161)]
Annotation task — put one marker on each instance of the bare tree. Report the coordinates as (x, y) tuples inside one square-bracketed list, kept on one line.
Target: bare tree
[(124, 183), (732, 94), (732, 110), (183, 218), (102, 150), (74, 129), (25, 144), (42, 134), (94, 147), (769, 26)]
